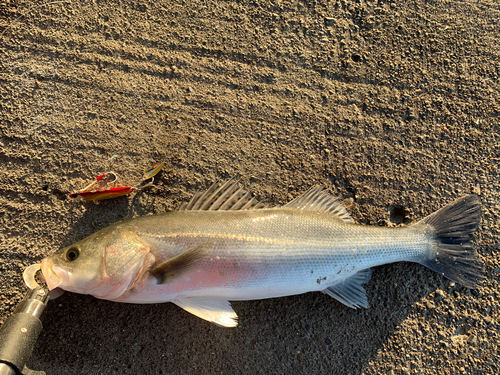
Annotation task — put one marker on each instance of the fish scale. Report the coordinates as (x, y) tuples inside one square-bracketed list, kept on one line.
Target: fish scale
[(202, 259)]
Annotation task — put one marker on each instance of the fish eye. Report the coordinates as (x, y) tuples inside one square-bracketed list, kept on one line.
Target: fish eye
[(72, 253)]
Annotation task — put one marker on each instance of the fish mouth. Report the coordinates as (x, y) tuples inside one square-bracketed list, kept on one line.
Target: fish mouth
[(52, 279)]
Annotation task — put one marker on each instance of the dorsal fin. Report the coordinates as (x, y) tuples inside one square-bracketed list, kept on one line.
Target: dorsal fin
[(318, 200), (220, 197)]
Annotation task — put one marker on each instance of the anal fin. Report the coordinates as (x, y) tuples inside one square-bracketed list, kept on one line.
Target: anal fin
[(350, 292), (216, 311)]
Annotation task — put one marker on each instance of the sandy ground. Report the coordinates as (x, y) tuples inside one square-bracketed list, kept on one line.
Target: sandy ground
[(394, 104)]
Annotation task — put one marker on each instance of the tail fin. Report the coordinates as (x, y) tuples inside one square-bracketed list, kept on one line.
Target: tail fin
[(454, 226)]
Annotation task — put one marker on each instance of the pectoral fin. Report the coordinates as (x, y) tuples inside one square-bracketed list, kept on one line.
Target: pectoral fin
[(181, 262), (217, 311), (350, 292)]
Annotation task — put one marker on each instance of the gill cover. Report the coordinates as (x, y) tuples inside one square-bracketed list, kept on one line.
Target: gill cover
[(126, 258)]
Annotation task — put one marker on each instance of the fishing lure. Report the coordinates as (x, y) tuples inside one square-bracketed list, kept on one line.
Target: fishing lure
[(153, 172), (97, 195), (103, 186)]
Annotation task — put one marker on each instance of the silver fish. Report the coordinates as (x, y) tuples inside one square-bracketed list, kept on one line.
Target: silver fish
[(221, 247)]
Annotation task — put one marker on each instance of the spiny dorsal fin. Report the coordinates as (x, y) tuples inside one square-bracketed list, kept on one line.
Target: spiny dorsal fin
[(220, 197), (318, 200), (174, 266)]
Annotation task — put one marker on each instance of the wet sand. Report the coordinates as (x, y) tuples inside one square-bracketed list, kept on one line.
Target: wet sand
[(394, 105)]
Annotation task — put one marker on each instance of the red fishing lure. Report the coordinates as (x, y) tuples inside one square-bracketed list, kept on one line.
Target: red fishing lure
[(97, 195), (102, 190)]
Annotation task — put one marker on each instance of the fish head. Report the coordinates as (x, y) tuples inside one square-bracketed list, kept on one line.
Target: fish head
[(104, 265)]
